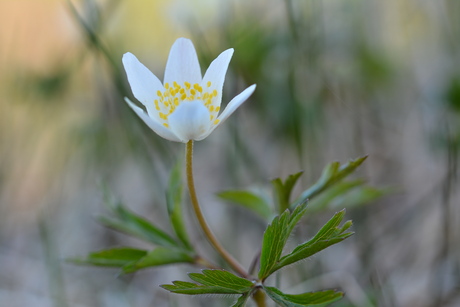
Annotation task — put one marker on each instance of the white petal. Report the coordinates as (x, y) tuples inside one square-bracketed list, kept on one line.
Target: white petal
[(190, 121), (236, 102), (216, 75), (143, 82), (153, 124), (232, 106), (182, 63)]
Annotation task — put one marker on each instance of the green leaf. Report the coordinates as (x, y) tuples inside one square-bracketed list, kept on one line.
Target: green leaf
[(347, 194), (304, 299), (249, 200), (275, 238), (282, 191), (115, 257), (242, 300), (324, 200), (159, 256), (328, 235), (174, 205), (132, 224), (332, 174), (211, 282), (359, 196)]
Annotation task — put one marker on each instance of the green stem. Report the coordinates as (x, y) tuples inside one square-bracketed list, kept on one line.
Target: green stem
[(201, 220)]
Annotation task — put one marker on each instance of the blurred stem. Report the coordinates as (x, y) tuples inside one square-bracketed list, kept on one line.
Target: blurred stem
[(201, 220), (259, 298)]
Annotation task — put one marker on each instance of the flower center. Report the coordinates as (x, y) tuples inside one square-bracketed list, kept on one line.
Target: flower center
[(176, 94)]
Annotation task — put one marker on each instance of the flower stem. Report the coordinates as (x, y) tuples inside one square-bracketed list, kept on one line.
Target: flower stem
[(201, 220)]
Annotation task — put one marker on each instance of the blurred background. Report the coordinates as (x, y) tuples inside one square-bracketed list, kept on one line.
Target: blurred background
[(336, 80)]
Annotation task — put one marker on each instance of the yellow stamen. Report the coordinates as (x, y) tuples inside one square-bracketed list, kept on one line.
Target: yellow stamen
[(216, 122), (198, 87), (217, 109), (166, 125), (208, 84), (166, 85), (187, 85)]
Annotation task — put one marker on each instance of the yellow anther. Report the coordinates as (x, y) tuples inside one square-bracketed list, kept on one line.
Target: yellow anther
[(183, 96), (216, 122), (166, 125), (163, 116), (208, 101), (211, 117), (182, 91), (206, 95), (175, 84), (159, 94), (214, 93), (187, 84), (211, 108), (176, 101), (157, 108), (217, 109), (192, 91), (166, 85), (208, 84), (198, 87)]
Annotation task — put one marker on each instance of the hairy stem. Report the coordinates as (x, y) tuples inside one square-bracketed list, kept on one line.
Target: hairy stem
[(200, 217)]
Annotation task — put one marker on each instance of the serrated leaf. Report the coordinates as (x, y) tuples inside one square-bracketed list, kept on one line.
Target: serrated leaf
[(130, 223), (159, 256), (211, 282), (328, 235), (115, 257), (332, 174), (174, 205), (275, 238), (242, 300), (191, 288), (282, 190), (221, 278), (249, 200), (304, 299)]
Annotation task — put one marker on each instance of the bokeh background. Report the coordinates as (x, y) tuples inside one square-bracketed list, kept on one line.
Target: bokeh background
[(335, 80)]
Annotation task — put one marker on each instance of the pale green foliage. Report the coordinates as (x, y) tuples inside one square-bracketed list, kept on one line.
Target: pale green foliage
[(330, 188)]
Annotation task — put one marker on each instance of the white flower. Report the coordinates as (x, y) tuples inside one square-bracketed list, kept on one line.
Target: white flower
[(186, 106)]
